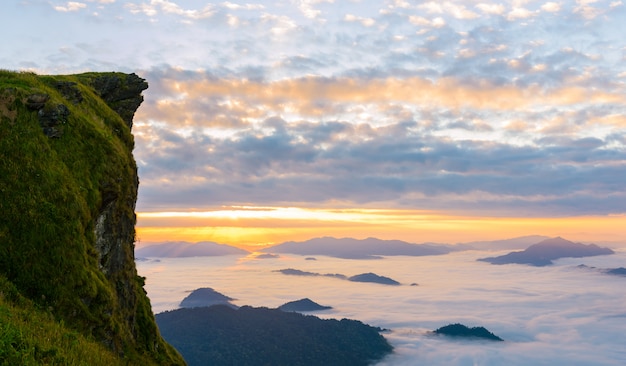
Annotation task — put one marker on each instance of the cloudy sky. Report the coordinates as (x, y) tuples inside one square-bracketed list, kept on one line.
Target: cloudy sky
[(417, 120)]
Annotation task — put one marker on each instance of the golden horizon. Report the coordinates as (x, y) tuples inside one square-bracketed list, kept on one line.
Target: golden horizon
[(251, 227)]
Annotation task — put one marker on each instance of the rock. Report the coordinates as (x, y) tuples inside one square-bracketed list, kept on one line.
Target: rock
[(37, 101), (70, 91), (122, 92), (50, 117)]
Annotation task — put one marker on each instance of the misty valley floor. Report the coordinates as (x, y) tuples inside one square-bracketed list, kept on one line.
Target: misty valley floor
[(555, 315)]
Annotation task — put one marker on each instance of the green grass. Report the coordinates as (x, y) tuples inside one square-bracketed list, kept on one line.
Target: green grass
[(29, 336), (51, 193)]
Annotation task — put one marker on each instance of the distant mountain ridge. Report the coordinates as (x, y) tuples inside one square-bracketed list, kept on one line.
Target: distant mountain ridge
[(521, 242), (350, 248), (347, 248), (363, 277), (179, 249), (544, 252)]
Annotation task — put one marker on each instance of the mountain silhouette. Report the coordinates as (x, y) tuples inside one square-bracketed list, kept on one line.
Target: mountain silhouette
[(205, 296), (544, 252), (305, 304), (373, 277), (178, 249), (460, 330), (350, 248)]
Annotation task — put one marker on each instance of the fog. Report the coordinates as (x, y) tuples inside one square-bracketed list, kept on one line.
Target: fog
[(555, 315)]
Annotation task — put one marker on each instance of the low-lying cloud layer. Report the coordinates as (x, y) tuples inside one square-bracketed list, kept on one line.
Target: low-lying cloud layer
[(555, 315), (498, 108)]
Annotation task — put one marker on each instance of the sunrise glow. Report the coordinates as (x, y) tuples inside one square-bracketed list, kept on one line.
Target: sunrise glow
[(257, 227)]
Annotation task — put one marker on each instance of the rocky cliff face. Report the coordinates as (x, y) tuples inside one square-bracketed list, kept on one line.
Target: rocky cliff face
[(68, 187)]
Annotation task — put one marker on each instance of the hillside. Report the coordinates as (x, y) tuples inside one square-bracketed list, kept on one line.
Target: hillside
[(68, 186), (546, 251), (220, 335)]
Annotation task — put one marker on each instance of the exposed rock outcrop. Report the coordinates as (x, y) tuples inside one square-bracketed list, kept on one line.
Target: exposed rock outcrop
[(122, 94), (51, 115), (67, 220)]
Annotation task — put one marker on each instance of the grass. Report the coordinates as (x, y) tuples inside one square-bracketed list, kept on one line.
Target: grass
[(29, 336)]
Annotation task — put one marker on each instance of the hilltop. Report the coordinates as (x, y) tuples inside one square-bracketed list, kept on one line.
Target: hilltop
[(544, 252), (68, 189)]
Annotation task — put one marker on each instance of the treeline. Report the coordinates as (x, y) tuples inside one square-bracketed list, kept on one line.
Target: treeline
[(220, 335)]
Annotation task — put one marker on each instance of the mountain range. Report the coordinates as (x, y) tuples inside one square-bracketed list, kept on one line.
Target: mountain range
[(178, 249), (350, 248)]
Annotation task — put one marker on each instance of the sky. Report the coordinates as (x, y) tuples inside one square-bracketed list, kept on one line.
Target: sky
[(444, 121)]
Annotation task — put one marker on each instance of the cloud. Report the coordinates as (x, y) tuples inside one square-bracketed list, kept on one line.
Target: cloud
[(405, 142), (312, 96), (455, 10), (551, 7), (519, 13), (366, 22), (436, 22), (153, 8), (492, 9), (558, 315), (70, 6), (455, 105)]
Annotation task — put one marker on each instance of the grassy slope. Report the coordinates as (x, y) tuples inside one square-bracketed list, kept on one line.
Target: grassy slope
[(50, 196)]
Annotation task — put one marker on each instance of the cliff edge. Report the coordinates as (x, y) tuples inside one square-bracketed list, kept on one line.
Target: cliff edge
[(68, 187)]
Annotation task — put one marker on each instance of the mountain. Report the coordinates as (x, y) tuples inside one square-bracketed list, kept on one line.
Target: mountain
[(206, 296), (373, 277), (521, 242), (621, 271), (68, 187), (349, 248), (219, 335), (460, 330), (305, 304), (180, 249), (544, 252), (297, 272)]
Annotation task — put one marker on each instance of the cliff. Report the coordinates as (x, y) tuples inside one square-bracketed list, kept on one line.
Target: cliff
[(68, 186)]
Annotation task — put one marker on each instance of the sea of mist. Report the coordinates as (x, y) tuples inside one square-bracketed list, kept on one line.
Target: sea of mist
[(556, 315)]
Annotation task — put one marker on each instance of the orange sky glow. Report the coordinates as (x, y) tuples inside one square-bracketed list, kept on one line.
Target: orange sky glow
[(256, 227)]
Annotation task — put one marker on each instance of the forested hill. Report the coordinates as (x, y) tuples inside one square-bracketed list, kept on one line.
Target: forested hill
[(68, 186)]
